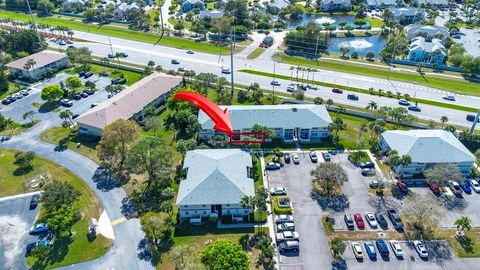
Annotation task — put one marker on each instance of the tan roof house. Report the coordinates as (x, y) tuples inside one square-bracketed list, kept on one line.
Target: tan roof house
[(151, 91), (43, 62)]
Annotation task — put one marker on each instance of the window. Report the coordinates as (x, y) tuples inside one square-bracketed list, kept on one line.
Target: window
[(203, 205), (204, 212), (245, 211), (186, 213), (195, 211), (228, 211), (228, 204), (185, 206)]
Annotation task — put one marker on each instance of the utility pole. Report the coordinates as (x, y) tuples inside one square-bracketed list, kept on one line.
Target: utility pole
[(34, 24), (273, 84), (232, 46)]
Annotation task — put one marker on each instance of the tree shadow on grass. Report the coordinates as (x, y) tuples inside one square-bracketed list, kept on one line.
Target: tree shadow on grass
[(22, 171), (338, 203), (466, 243), (48, 107), (147, 253), (59, 249)]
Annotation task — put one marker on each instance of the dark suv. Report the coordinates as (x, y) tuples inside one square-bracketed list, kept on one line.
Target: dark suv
[(349, 221)]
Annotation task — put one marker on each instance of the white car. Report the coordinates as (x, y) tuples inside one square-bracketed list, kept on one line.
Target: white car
[(278, 191), (272, 166), (396, 248), (371, 220), (357, 250), (475, 185), (283, 218), (287, 226), (275, 83), (449, 97), (226, 70), (287, 236), (420, 248), (291, 88), (295, 158), (455, 187)]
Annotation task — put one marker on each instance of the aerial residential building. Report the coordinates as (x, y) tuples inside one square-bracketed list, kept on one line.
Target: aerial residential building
[(74, 4), (381, 3), (44, 63), (407, 16), (214, 14), (336, 5), (429, 32), (433, 52), (290, 122), (121, 11), (151, 91), (427, 148), (431, 3), (216, 180), (188, 5)]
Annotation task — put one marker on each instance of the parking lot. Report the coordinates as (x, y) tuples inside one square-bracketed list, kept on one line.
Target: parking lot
[(15, 220)]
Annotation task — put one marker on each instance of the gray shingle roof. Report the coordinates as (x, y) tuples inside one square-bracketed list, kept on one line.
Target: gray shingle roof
[(215, 176), (428, 146), (273, 116)]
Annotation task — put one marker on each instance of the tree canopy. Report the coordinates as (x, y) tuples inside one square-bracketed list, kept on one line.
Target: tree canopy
[(224, 254), (51, 93)]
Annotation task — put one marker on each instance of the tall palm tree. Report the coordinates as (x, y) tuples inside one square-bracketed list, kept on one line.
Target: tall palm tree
[(9, 123), (405, 160), (292, 68), (463, 223), (372, 105)]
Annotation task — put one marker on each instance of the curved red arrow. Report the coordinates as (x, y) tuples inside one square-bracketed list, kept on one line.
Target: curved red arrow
[(218, 116)]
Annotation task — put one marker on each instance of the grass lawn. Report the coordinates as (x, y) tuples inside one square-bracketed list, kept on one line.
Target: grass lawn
[(375, 22), (256, 53), (78, 248), (365, 91), (12, 88), (197, 237), (17, 128), (466, 247), (118, 32), (450, 84), (174, 21), (62, 137), (131, 76)]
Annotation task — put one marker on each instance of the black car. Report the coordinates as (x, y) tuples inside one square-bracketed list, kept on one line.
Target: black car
[(381, 220), (471, 118), (75, 116), (6, 101), (88, 74), (286, 157), (84, 95), (352, 96), (365, 165), (34, 201), (395, 219), (77, 97), (349, 221), (88, 92), (81, 73)]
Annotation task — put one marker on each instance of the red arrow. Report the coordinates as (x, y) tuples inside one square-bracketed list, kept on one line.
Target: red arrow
[(220, 117)]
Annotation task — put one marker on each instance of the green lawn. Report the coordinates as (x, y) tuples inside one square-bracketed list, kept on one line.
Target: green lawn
[(365, 91), (467, 247), (78, 248), (118, 32), (256, 53), (12, 88), (450, 84), (375, 22), (17, 128)]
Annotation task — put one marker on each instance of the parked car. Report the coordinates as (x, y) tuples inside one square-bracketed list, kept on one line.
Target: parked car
[(87, 74), (88, 92), (449, 97), (371, 220), (370, 249), (396, 248), (375, 183), (287, 236), (39, 228), (475, 185), (349, 221), (77, 97), (295, 158), (395, 219), (434, 187), (465, 185), (420, 248), (290, 245), (278, 191), (352, 96), (6, 101), (403, 102), (365, 165), (359, 220), (24, 93), (357, 250), (226, 70), (272, 166), (84, 95), (402, 186), (368, 172), (455, 187), (286, 157), (175, 62), (65, 102), (275, 83), (381, 220), (313, 156), (337, 90), (34, 201), (283, 218), (414, 108), (287, 226), (382, 247), (326, 156)]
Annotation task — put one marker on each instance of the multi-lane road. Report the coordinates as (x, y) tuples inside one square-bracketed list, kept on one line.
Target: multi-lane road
[(141, 53)]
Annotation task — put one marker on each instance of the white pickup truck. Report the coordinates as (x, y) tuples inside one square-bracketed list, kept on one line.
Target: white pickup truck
[(286, 236)]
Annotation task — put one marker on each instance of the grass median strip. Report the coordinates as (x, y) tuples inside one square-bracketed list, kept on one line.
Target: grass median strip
[(117, 32), (456, 85), (364, 91), (255, 53)]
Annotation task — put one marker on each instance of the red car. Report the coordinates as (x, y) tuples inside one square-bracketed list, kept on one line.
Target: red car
[(434, 187), (336, 90), (402, 186), (359, 220)]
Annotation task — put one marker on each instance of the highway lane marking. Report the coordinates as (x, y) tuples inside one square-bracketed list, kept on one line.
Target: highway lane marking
[(118, 221)]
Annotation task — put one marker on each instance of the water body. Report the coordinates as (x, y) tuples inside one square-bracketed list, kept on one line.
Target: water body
[(361, 45), (321, 19)]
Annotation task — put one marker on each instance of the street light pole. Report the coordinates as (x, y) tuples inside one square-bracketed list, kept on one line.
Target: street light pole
[(34, 24)]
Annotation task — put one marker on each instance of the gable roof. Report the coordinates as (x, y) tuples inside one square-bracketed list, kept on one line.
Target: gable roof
[(273, 116), (398, 12), (215, 176), (41, 59), (419, 43), (428, 146), (431, 30), (127, 103)]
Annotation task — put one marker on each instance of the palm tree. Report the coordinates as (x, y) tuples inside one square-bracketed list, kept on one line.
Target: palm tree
[(30, 64), (67, 116), (444, 120), (314, 70), (292, 68), (463, 223), (70, 33), (9, 123), (372, 105), (405, 160), (247, 202)]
